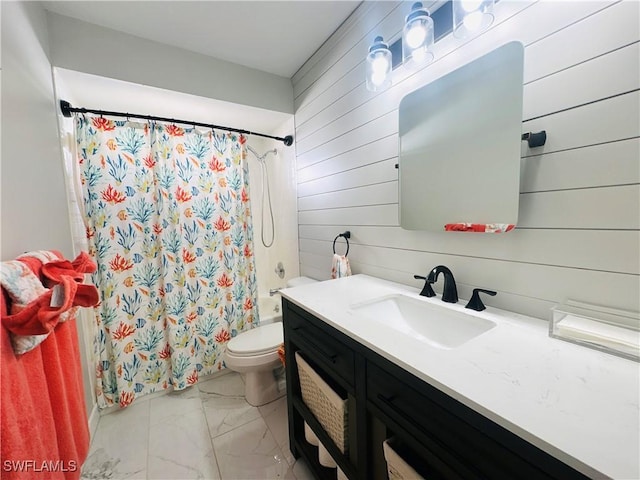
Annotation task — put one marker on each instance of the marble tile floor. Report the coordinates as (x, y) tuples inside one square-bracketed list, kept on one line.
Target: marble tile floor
[(208, 431)]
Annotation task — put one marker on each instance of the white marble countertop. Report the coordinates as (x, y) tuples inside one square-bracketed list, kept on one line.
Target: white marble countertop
[(578, 404)]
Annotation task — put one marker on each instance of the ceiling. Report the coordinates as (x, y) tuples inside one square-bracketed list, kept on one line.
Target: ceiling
[(272, 36)]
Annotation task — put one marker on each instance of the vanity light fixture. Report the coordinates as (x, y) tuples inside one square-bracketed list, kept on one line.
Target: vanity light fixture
[(417, 37), (378, 66), (421, 30), (471, 17)]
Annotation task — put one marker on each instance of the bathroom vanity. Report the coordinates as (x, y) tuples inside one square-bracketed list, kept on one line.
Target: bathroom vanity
[(493, 398)]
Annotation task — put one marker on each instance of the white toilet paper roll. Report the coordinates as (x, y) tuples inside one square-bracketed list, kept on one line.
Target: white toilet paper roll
[(325, 459), (309, 435)]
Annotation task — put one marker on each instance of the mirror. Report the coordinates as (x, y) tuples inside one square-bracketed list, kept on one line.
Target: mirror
[(460, 136)]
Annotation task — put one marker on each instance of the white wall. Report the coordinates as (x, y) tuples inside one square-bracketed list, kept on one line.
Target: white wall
[(84, 47), (579, 219), (34, 203), (34, 199)]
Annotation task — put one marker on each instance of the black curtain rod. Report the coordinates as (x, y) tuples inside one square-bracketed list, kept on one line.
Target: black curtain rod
[(67, 110)]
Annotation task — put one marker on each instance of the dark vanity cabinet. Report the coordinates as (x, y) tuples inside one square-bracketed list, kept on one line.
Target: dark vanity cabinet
[(437, 435), (332, 356)]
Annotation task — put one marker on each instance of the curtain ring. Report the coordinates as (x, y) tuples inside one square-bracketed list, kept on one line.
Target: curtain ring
[(346, 235)]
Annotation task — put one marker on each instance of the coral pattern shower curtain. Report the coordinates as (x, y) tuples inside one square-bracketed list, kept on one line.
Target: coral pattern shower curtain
[(168, 222)]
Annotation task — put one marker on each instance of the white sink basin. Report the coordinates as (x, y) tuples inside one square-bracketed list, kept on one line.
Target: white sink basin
[(441, 327)]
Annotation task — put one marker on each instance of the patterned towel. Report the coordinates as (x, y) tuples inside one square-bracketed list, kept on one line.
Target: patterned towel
[(44, 290), (23, 287), (479, 227), (340, 266)]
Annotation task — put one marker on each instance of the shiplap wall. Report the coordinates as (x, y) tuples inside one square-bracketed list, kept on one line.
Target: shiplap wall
[(579, 222)]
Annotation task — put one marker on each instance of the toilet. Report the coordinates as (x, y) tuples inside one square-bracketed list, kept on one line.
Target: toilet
[(254, 354)]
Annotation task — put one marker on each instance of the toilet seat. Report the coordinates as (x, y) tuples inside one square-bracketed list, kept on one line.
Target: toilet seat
[(260, 340), (254, 354)]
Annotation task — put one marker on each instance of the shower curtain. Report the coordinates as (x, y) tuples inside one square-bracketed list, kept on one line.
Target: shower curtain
[(168, 222)]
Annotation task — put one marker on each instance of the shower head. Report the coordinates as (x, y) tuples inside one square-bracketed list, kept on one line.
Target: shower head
[(262, 157), (266, 194), (266, 154)]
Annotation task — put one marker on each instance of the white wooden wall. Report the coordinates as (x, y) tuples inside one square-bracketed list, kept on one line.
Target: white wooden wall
[(579, 224)]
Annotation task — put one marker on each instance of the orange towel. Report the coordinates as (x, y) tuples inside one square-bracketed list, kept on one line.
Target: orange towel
[(281, 354), (44, 431), (31, 312)]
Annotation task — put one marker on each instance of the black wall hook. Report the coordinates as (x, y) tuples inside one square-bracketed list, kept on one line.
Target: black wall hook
[(535, 139), (346, 235)]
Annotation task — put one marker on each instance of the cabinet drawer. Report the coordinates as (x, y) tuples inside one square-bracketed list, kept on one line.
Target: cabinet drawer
[(444, 425), (319, 343)]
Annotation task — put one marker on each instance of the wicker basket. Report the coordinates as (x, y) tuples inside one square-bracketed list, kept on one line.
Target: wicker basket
[(327, 406), (397, 468)]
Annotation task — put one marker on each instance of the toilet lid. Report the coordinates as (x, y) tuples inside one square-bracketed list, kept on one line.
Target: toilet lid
[(258, 340)]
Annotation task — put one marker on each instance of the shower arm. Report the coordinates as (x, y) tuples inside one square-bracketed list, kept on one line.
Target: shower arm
[(264, 155)]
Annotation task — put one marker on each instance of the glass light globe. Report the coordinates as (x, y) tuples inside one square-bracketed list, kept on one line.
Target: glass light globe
[(473, 21), (470, 17), (416, 35), (378, 78), (420, 55), (470, 5), (378, 66)]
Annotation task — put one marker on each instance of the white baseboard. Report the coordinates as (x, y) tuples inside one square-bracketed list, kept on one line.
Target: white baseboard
[(94, 418)]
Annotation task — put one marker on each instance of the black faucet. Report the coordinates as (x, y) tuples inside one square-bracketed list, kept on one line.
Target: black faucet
[(427, 291), (449, 292), (475, 303)]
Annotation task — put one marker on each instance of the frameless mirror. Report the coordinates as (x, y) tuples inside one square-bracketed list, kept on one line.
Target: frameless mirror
[(460, 136)]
